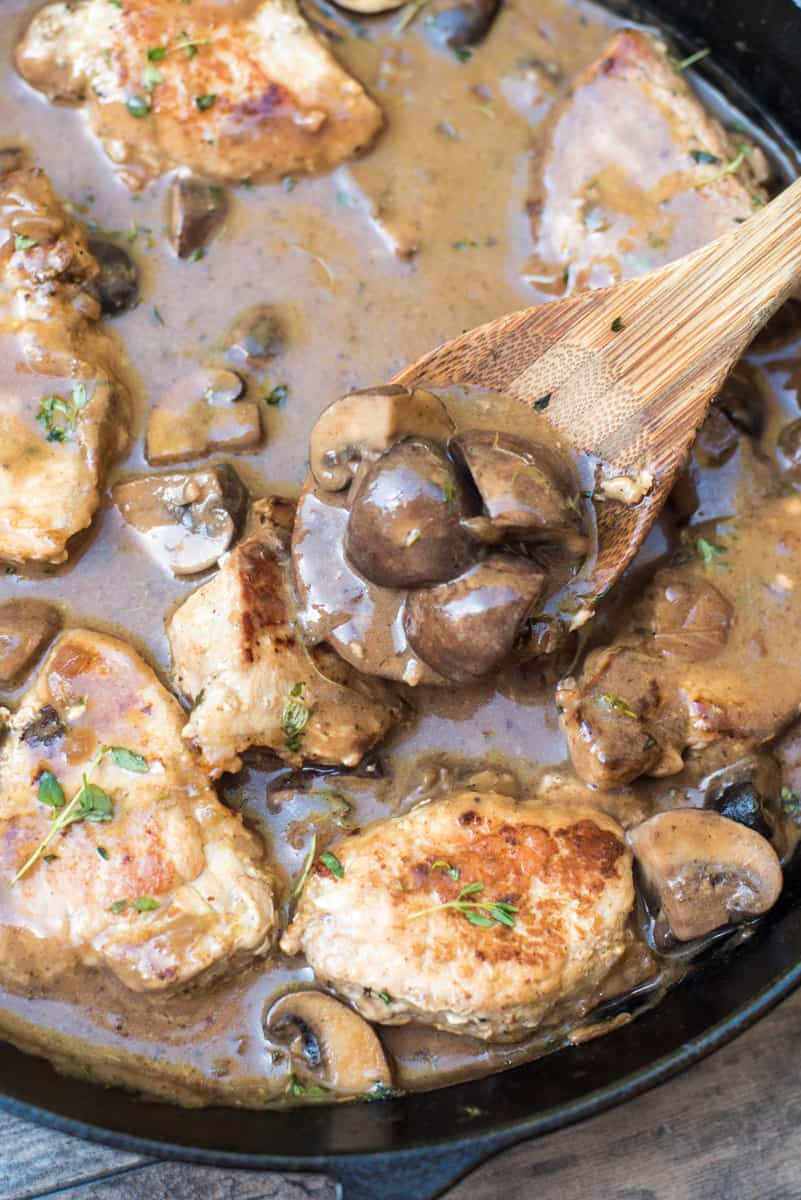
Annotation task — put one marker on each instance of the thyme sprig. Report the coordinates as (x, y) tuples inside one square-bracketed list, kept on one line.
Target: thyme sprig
[(485, 913)]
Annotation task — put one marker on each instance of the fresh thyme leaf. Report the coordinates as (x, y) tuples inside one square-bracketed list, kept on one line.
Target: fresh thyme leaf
[(442, 865), (279, 394), (619, 705), (333, 864), (728, 169), (118, 906), (617, 325), (294, 718), (21, 242), (710, 553), (93, 804), (543, 402), (483, 913), (157, 317), (48, 858), (196, 255), (103, 852), (385, 996), (145, 904), (206, 101), (307, 866), (157, 53), (129, 760), (703, 156), (463, 54), (138, 106), (50, 791)]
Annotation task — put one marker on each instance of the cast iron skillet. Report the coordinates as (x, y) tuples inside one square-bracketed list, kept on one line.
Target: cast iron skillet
[(413, 1147)]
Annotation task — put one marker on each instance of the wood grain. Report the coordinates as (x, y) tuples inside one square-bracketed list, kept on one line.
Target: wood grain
[(627, 373), (726, 1130)]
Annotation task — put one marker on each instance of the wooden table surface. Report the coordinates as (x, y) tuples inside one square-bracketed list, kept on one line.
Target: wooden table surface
[(727, 1129)]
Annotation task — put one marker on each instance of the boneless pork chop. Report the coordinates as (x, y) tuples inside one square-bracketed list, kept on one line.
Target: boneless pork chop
[(236, 651), (408, 909), (63, 410), (170, 84), (154, 878)]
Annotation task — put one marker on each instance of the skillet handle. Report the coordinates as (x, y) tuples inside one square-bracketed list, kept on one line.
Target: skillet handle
[(423, 1175)]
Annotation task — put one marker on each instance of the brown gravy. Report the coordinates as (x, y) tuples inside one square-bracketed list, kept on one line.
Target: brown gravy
[(450, 185)]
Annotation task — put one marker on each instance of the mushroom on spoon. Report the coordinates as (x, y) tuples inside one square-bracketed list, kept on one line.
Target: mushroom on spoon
[(626, 374)]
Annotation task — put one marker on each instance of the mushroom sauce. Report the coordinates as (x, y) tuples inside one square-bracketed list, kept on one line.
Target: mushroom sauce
[(360, 297)]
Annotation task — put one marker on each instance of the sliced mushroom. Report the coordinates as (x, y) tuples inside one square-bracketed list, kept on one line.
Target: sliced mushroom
[(404, 526), (529, 491), (365, 424), (117, 285), (196, 210), (199, 414), (328, 1042), (468, 628), (187, 520), (256, 337), (462, 25), (705, 870), (689, 619), (26, 626)]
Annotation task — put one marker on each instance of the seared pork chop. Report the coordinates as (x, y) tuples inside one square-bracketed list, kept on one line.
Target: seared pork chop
[(63, 410), (154, 879), (236, 651), (231, 96), (636, 172), (386, 921)]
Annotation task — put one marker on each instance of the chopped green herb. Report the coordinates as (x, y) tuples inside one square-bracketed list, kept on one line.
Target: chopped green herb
[(617, 325), (157, 53), (411, 537), (190, 46), (157, 317), (278, 395), (129, 760), (118, 906), (206, 101), (710, 553), (442, 865), (145, 904), (196, 255), (21, 242), (115, 3), (619, 705), (58, 416), (50, 791), (465, 244), (543, 402), (307, 866), (48, 858), (703, 156), (288, 183), (463, 54), (138, 106), (385, 996), (103, 852), (790, 802), (728, 169), (90, 803), (484, 913), (333, 864), (294, 718), (681, 64)]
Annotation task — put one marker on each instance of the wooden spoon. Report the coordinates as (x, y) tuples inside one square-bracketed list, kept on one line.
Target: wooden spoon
[(627, 373)]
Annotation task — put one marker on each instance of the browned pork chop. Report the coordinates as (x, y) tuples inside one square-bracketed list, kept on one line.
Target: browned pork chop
[(159, 882), (231, 96), (236, 651), (635, 173), (63, 410), (711, 654), (385, 929)]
